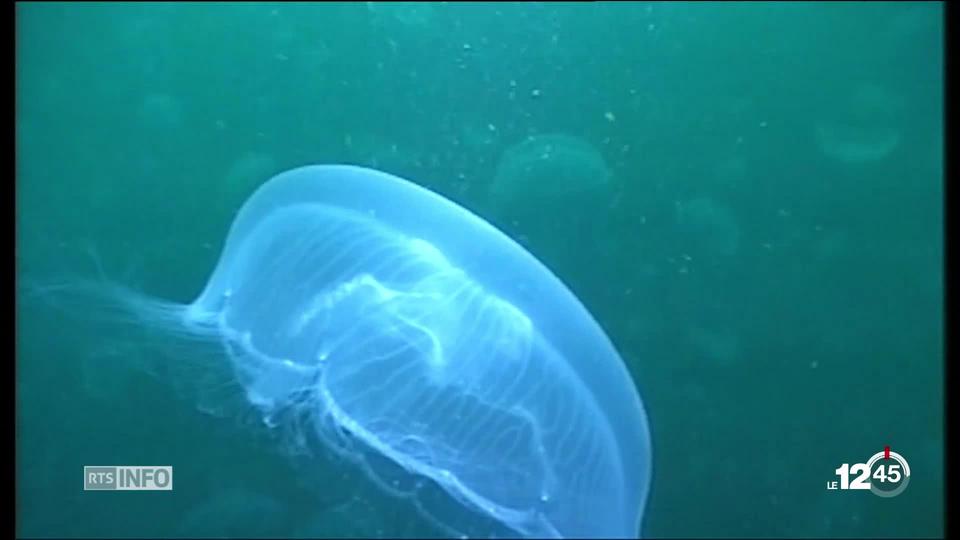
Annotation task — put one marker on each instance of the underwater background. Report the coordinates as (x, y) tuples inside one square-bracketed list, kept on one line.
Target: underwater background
[(747, 197)]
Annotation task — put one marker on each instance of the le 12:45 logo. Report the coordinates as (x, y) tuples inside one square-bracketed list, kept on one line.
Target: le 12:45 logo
[(886, 474)]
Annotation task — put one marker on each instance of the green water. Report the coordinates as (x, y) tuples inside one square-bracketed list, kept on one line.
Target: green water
[(767, 256)]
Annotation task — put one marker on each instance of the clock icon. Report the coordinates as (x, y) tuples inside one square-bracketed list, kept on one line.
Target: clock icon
[(889, 473)]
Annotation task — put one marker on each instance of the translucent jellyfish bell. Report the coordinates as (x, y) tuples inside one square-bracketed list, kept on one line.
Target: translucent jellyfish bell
[(554, 186), (418, 341), (865, 128), (550, 164), (710, 227), (234, 513)]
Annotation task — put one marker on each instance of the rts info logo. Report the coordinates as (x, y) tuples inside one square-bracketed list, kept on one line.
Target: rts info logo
[(127, 478)]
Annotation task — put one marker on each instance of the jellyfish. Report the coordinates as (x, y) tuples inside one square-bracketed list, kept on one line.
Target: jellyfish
[(865, 128), (355, 518), (710, 227), (414, 15), (720, 345), (551, 165), (552, 191), (235, 513), (160, 112), (359, 312)]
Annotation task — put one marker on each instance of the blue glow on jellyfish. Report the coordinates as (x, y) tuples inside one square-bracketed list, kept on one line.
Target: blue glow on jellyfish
[(416, 340)]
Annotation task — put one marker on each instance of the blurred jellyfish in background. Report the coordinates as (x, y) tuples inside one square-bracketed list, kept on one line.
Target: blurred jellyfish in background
[(864, 126), (477, 137), (709, 228), (236, 513), (409, 15), (716, 345), (830, 517), (355, 518), (551, 192), (549, 166), (730, 172), (160, 113)]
